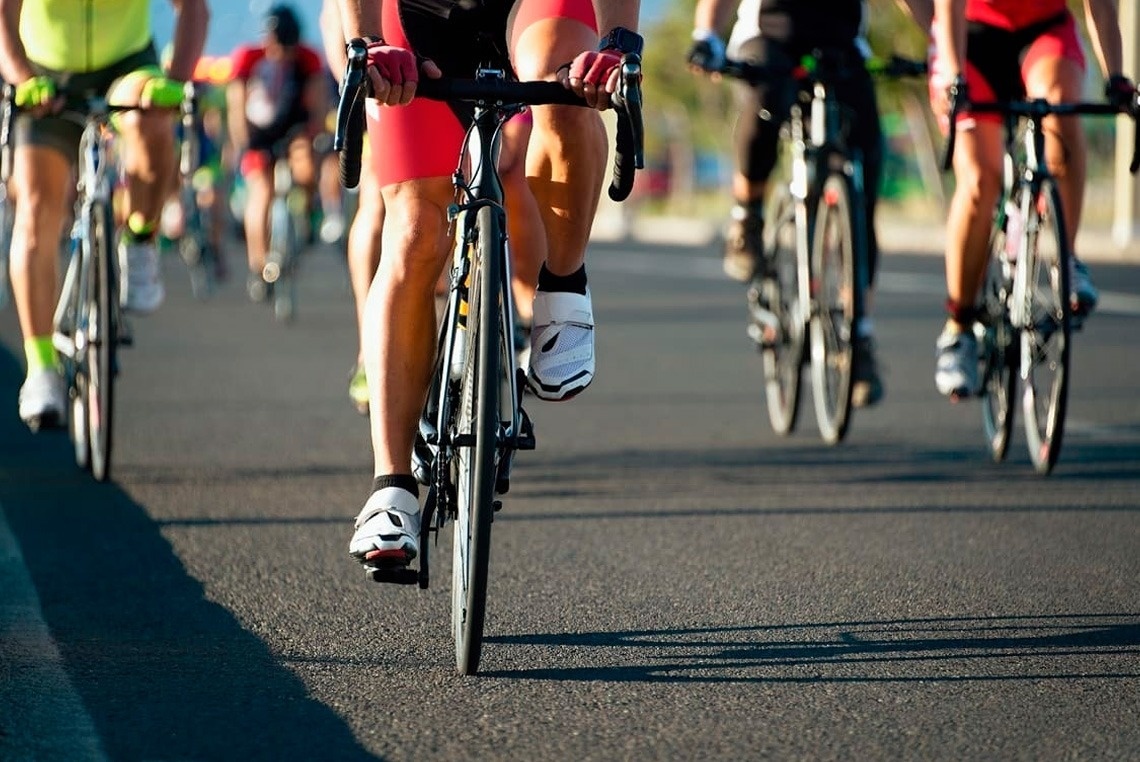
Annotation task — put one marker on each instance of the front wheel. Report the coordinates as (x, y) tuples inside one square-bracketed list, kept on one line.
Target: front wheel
[(101, 340), (998, 350), (477, 428), (1046, 337), (834, 309), (777, 324)]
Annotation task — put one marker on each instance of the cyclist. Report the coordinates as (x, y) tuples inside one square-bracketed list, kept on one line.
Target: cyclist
[(58, 54), (420, 139), (778, 33), (274, 101), (1003, 50)]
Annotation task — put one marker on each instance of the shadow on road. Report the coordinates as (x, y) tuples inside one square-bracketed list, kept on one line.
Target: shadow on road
[(164, 672), (955, 649)]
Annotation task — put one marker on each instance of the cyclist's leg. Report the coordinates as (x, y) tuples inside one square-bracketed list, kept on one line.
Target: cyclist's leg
[(566, 166), (524, 222), (1054, 69), (149, 163), (363, 260), (303, 165), (41, 184), (257, 171), (978, 176), (756, 141)]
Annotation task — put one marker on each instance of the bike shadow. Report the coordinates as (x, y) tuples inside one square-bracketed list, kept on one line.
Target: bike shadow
[(161, 669), (950, 649)]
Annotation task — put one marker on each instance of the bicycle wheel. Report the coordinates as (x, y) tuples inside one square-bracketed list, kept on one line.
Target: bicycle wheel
[(70, 314), (101, 339), (281, 263), (1045, 339), (192, 249), (998, 351), (833, 312), (7, 219), (477, 426), (774, 296)]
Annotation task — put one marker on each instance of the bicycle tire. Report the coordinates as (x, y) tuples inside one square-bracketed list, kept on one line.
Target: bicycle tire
[(777, 290), (279, 269), (477, 422), (834, 310), (67, 322), (999, 350), (193, 248), (1046, 339), (7, 220), (99, 356)]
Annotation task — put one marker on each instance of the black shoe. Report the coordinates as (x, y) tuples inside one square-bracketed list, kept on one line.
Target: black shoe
[(743, 245), (867, 385)]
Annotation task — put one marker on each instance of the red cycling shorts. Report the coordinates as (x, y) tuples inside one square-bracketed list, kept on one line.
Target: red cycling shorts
[(998, 59), (424, 138)]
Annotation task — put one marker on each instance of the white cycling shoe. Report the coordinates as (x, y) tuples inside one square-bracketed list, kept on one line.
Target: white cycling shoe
[(561, 345), (140, 281), (387, 529), (43, 400)]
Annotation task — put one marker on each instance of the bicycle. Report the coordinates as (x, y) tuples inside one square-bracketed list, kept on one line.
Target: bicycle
[(809, 290), (473, 422), (195, 245), (1026, 324), (286, 213)]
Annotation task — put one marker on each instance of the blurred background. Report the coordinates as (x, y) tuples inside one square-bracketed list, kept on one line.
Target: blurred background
[(689, 119)]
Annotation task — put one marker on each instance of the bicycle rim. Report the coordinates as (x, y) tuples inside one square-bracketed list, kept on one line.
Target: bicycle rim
[(7, 219), (281, 264), (833, 315), (477, 420), (1046, 339), (777, 291), (998, 353), (100, 354)]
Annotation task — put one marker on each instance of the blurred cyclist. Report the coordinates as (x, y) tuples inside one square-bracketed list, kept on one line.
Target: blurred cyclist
[(58, 54), (274, 108)]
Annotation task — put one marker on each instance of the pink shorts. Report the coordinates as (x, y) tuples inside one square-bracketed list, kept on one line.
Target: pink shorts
[(424, 138), (997, 65)]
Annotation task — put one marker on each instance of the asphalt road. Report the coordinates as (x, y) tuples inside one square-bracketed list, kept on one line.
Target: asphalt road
[(670, 580)]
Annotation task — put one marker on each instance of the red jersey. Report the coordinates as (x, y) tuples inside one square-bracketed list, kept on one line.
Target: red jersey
[(274, 91), (1013, 14)]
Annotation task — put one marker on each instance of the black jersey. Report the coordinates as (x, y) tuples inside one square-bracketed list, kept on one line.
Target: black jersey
[(815, 22)]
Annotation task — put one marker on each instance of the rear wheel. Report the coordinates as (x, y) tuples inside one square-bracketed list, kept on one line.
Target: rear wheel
[(834, 310), (477, 424), (998, 352), (101, 338), (775, 293), (1046, 337)]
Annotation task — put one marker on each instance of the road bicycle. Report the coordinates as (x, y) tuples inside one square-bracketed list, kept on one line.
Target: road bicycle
[(473, 422), (808, 293), (88, 323), (286, 221), (195, 246), (1026, 324)]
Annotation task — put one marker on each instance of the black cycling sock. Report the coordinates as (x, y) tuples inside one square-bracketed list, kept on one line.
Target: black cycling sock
[(575, 282), (403, 481)]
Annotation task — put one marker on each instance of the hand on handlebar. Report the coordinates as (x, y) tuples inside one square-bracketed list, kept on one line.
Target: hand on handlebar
[(594, 75), (393, 72), (38, 94), (1121, 92), (707, 52)]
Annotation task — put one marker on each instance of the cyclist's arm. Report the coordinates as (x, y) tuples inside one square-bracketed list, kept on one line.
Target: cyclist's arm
[(14, 64), (192, 18), (615, 13), (714, 16), (950, 38), (332, 37), (922, 11), (235, 107), (1104, 30), (360, 18)]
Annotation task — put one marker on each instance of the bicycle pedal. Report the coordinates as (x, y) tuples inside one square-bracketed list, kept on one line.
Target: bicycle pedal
[(527, 440), (400, 575)]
